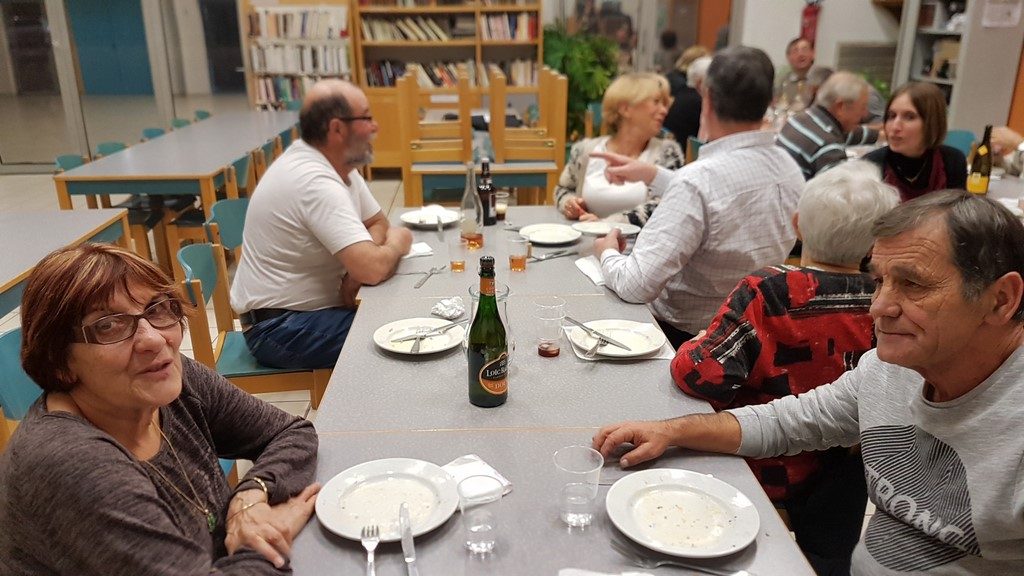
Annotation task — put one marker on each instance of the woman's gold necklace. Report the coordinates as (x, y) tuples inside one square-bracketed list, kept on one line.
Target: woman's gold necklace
[(211, 520), (916, 176)]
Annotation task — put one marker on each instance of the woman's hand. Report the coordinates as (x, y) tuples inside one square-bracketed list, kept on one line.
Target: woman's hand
[(574, 207), (267, 529), (588, 217)]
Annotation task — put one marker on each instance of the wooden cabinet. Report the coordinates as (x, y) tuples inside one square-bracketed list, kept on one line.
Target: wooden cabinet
[(289, 45), (431, 38), (949, 44)]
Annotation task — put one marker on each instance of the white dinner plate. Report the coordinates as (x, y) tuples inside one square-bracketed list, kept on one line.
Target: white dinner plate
[(682, 513), (451, 338), (642, 338), (370, 494), (603, 228), (427, 219), (550, 234)]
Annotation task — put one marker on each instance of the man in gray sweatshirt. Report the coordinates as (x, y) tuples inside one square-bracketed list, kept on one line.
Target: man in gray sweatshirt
[(936, 407)]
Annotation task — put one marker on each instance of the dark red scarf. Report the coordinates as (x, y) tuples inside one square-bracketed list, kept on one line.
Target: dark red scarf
[(936, 178)]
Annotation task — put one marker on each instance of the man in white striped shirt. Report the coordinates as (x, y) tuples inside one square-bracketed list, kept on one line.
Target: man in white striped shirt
[(817, 137), (721, 217)]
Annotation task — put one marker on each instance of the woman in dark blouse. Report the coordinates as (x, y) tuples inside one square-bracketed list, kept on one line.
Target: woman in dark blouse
[(915, 160)]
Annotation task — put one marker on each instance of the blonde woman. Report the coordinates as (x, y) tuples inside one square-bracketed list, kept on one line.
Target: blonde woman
[(633, 110)]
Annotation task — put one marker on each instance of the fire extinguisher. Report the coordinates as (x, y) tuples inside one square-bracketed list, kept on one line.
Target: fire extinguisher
[(809, 20)]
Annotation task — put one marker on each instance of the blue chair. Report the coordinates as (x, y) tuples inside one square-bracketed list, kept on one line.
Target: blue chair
[(18, 392), (226, 223), (962, 140), (265, 154), (202, 115), (205, 281), (180, 123), (150, 133), (692, 149), (67, 162), (108, 148)]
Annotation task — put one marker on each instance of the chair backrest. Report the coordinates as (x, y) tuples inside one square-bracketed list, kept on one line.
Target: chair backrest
[(293, 105), (243, 171), (66, 162), (546, 142), (592, 121), (17, 390), (150, 133), (180, 122), (202, 115), (962, 140), (692, 148), (229, 217), (206, 280), (108, 148)]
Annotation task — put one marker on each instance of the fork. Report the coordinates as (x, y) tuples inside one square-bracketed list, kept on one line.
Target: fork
[(637, 558), (593, 349), (370, 538), (431, 272)]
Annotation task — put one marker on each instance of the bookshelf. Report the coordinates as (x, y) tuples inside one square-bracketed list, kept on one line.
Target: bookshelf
[(289, 45), (432, 38)]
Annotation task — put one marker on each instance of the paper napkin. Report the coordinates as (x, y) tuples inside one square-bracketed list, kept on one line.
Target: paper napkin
[(419, 249), (472, 465), (449, 308), (666, 352), (591, 268)]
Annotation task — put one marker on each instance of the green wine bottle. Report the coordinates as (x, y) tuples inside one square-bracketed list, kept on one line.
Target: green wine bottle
[(487, 352)]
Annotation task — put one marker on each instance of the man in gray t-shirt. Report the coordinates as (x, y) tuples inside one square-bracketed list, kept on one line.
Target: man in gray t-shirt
[(936, 407)]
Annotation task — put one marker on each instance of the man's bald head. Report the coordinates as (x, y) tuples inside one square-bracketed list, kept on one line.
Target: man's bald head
[(326, 100)]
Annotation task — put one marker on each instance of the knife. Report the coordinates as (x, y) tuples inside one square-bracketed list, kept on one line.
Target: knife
[(552, 255), (408, 548), (595, 334), (428, 333)]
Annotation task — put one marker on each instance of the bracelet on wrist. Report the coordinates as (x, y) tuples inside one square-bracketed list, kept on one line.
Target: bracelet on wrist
[(244, 507)]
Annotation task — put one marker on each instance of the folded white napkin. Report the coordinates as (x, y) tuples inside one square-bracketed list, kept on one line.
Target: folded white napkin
[(472, 465), (664, 353), (449, 308), (419, 249), (435, 209), (581, 572), (591, 268)]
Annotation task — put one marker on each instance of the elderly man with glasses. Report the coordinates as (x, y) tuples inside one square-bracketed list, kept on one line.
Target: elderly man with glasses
[(313, 235)]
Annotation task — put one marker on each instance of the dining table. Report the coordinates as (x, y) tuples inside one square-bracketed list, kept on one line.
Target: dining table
[(186, 161), (25, 245), (385, 403)]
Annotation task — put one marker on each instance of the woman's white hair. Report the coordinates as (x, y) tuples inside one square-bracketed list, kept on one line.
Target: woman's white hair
[(837, 209)]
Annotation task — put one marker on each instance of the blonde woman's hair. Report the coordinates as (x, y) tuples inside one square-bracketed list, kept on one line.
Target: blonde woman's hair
[(689, 55), (630, 89)]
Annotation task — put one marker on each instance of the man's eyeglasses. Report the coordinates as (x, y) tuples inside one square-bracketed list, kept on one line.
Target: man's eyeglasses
[(368, 118), (120, 327)]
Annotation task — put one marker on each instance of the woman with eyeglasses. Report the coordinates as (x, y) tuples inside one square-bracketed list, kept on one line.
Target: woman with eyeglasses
[(115, 469)]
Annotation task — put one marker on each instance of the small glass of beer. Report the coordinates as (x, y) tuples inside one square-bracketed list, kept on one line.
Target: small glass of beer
[(518, 249), (501, 204), (458, 247)]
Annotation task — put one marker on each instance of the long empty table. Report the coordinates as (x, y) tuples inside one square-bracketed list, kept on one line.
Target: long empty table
[(29, 236), (381, 404)]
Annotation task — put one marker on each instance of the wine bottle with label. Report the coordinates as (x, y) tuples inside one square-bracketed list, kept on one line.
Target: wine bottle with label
[(487, 352), (472, 211), (981, 165), (485, 189)]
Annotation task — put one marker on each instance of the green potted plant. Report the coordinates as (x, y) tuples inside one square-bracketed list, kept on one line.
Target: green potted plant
[(589, 62)]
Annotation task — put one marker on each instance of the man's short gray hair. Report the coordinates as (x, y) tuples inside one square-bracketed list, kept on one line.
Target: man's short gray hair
[(841, 86), (837, 209), (697, 71), (986, 240)]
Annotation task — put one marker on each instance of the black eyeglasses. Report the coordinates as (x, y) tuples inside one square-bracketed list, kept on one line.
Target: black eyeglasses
[(368, 118), (120, 327)]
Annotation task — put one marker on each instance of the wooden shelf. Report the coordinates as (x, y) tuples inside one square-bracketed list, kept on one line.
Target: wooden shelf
[(533, 42), (939, 32), (263, 41), (386, 10), (512, 8), (942, 81), (416, 43)]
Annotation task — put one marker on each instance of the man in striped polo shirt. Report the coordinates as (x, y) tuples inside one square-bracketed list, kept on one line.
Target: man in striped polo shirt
[(817, 137)]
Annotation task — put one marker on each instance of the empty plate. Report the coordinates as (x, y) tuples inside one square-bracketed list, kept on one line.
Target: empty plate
[(451, 338), (603, 228), (427, 217), (642, 338), (550, 234)]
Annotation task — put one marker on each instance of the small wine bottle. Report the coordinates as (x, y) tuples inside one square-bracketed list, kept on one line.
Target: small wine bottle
[(981, 165), (487, 352)]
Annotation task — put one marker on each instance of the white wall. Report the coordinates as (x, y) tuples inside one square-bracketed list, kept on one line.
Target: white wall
[(771, 24)]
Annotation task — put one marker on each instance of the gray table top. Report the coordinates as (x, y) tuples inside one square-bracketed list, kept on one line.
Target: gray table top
[(1006, 188), (531, 538), (373, 389), (556, 276), (200, 149), (28, 236)]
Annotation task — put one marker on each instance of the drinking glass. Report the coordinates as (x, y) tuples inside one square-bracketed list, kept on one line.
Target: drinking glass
[(501, 204), (458, 248), (578, 469), (549, 312), (518, 249), (501, 292), (480, 504)]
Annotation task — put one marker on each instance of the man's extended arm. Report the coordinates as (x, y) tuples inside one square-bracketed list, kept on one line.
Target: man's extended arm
[(377, 226), (371, 263)]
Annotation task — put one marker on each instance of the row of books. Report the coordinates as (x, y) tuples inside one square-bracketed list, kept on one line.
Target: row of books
[(323, 60), (509, 26), (385, 73), (418, 29), (274, 91), (319, 23), (520, 72), (415, 3)]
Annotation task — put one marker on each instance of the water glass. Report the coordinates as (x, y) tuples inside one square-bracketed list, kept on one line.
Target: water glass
[(518, 249), (549, 313), (480, 504), (578, 470), (501, 204), (458, 248)]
